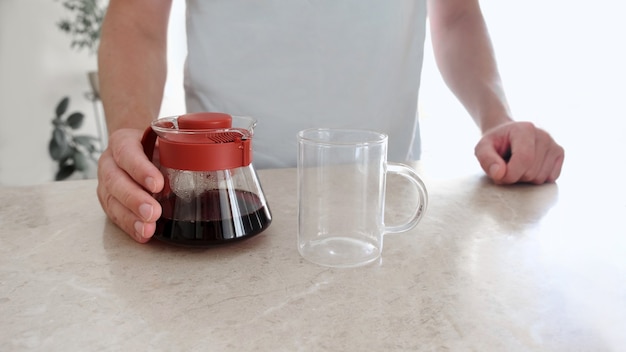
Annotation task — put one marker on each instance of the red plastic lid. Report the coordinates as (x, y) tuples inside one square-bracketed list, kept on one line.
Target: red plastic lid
[(203, 142), (204, 121)]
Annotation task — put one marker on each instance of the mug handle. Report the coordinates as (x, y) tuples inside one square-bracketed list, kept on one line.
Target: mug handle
[(410, 174), (148, 140)]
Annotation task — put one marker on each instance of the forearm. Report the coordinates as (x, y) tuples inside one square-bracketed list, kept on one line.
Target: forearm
[(132, 62), (465, 58)]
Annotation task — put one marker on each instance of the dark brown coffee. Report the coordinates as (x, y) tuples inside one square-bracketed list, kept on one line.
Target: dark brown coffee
[(224, 217)]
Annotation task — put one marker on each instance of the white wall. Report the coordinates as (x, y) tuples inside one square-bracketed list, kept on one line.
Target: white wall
[(562, 62), (38, 68)]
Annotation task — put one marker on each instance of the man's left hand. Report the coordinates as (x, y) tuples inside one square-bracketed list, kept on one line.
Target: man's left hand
[(519, 152)]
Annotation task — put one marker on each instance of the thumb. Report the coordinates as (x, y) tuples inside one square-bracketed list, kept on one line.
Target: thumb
[(491, 161)]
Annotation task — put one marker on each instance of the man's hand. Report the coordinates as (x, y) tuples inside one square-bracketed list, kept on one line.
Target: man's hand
[(519, 152), (125, 178)]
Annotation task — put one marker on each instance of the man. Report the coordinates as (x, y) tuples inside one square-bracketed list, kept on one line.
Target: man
[(297, 64)]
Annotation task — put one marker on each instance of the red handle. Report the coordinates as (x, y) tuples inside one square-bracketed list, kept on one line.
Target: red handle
[(148, 140)]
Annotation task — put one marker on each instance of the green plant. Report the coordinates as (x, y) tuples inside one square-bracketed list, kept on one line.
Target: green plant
[(84, 27), (72, 152)]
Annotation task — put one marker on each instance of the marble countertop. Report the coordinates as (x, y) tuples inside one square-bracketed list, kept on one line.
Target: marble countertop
[(521, 268)]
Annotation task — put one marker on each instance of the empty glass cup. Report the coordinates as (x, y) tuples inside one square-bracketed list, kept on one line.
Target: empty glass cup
[(341, 196)]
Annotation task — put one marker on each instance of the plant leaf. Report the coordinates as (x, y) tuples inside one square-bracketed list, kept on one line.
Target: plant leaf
[(62, 106), (64, 172), (87, 142), (80, 161), (54, 150), (58, 135), (58, 146), (84, 25), (75, 120), (64, 26)]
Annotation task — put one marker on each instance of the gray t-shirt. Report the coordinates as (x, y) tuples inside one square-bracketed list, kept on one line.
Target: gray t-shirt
[(298, 64)]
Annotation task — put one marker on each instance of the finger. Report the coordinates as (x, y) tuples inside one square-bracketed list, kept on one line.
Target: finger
[(523, 153), (131, 195), (558, 165), (124, 219), (544, 166), (129, 155), (491, 154), (537, 172), (548, 160), (124, 200)]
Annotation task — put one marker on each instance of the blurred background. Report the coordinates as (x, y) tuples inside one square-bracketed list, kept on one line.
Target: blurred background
[(562, 63)]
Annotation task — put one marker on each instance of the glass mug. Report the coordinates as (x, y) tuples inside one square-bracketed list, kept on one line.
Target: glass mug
[(341, 196)]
